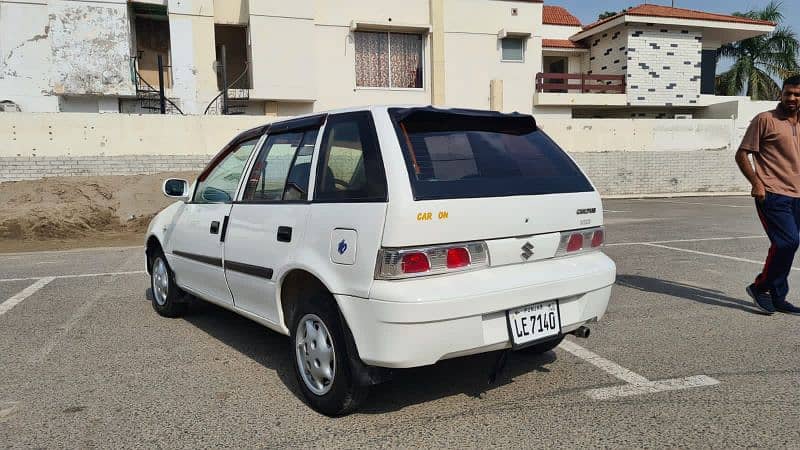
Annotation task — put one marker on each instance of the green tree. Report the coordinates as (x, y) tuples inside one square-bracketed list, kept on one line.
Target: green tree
[(607, 14), (759, 60)]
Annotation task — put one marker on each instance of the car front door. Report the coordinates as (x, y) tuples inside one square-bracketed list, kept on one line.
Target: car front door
[(269, 222), (196, 245)]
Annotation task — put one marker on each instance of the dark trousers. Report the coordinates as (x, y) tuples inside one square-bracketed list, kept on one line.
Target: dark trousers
[(780, 216)]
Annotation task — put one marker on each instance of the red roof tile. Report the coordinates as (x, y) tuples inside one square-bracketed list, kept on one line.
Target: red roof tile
[(556, 15), (560, 43), (679, 13)]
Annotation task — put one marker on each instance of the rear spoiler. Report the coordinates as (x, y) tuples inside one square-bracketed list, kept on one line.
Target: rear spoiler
[(438, 119)]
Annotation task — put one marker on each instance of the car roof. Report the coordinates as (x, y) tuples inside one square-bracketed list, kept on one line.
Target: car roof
[(380, 108)]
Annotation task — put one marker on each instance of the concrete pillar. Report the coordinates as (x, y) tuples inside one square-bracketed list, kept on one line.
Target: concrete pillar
[(271, 109), (437, 52), (496, 95), (191, 29)]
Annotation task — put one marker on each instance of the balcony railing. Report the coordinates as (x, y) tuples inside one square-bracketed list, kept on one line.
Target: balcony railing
[(580, 83)]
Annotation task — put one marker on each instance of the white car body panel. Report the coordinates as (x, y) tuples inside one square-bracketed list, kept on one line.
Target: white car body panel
[(410, 322), (249, 225), (192, 235)]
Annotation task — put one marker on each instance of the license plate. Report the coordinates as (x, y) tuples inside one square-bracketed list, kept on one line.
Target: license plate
[(531, 323)]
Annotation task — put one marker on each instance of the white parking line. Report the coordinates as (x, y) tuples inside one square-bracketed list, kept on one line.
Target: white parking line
[(7, 408), (636, 384), (81, 275), (732, 258), (74, 250), (22, 295), (697, 203), (675, 241)]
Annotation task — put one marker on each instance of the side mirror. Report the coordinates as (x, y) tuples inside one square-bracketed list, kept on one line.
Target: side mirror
[(175, 188)]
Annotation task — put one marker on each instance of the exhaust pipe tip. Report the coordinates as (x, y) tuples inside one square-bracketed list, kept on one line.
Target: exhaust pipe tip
[(582, 332)]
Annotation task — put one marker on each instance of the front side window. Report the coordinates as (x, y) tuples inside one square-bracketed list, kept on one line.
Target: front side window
[(221, 183), (388, 60), (281, 171), (513, 49), (350, 167)]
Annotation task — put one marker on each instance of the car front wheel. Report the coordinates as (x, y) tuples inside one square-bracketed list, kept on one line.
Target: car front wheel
[(168, 298), (321, 360)]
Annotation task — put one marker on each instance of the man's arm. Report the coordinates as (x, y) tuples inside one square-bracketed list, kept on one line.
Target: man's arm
[(746, 167)]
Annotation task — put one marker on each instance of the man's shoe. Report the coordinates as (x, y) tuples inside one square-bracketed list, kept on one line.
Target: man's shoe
[(786, 307), (762, 300)]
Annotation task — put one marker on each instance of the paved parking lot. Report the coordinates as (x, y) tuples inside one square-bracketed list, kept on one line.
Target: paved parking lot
[(681, 359)]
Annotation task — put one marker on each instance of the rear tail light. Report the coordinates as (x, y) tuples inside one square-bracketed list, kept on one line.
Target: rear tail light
[(598, 238), (414, 262), (575, 242), (457, 257), (578, 241)]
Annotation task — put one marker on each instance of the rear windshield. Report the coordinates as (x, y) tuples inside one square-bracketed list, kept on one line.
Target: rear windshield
[(451, 155)]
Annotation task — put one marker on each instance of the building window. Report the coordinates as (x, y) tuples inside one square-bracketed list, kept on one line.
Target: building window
[(513, 49), (388, 60)]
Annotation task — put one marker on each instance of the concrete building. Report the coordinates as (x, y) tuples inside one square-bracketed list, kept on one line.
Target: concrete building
[(284, 58)]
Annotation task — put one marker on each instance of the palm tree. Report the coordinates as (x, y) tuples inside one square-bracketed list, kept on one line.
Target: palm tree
[(761, 59)]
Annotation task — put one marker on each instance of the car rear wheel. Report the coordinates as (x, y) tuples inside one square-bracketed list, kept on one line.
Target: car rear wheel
[(321, 360), (168, 298)]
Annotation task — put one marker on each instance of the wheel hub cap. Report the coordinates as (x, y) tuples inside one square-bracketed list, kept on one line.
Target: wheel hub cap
[(316, 358), (160, 282)]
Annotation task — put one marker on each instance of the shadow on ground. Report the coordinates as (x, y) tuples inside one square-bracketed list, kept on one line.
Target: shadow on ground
[(468, 375), (685, 291)]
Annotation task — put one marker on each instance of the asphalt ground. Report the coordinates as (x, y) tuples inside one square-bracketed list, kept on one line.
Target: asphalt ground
[(682, 359)]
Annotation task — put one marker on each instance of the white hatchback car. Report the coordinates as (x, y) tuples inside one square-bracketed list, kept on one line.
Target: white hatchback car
[(388, 237)]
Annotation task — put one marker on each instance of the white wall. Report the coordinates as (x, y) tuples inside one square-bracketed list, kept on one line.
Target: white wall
[(558, 31), (90, 45), (473, 53), (638, 135), (81, 134), (25, 56), (607, 52), (664, 68), (334, 48)]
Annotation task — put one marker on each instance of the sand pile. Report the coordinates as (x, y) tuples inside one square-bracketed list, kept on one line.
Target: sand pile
[(80, 207)]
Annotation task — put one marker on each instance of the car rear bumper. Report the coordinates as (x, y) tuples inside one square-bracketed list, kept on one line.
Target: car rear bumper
[(421, 321)]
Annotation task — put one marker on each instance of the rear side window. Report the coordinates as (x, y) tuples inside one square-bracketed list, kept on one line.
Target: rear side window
[(451, 155), (350, 167)]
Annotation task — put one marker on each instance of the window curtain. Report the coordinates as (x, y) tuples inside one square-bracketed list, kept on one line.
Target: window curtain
[(406, 53), (372, 59)]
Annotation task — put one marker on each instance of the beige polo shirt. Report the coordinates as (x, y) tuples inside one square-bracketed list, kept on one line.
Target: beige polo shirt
[(775, 144)]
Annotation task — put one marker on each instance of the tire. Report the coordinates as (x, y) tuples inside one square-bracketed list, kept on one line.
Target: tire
[(168, 298), (543, 347), (322, 363)]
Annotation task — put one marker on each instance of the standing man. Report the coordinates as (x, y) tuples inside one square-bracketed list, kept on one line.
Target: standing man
[(773, 138)]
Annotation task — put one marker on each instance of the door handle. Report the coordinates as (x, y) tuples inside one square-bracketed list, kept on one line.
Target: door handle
[(214, 227), (284, 234)]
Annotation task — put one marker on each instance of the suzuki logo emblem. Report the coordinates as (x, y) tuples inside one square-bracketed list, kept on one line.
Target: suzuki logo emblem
[(527, 251)]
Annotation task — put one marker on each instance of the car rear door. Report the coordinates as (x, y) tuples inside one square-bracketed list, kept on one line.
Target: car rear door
[(195, 245), (268, 222)]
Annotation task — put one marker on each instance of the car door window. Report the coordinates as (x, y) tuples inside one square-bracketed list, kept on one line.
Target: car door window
[(221, 183), (350, 166), (281, 171)]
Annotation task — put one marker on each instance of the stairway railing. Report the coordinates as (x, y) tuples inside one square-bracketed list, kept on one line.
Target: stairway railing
[(148, 96), (237, 101)]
